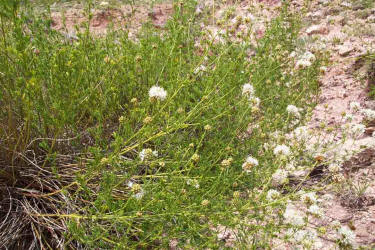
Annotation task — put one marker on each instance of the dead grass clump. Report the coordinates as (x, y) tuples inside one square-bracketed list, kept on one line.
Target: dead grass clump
[(33, 192)]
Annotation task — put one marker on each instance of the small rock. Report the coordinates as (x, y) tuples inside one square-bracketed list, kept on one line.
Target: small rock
[(345, 50), (370, 104), (371, 19), (317, 29), (299, 174), (317, 14), (332, 11), (341, 20), (337, 212), (173, 244), (369, 131)]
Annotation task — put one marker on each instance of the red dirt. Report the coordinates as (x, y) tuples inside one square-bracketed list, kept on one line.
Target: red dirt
[(122, 18)]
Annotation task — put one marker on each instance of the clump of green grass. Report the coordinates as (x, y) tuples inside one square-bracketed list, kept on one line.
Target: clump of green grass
[(371, 74), (145, 170)]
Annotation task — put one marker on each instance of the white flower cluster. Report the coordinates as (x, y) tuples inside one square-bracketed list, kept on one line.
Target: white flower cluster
[(357, 129), (157, 93), (254, 101), (139, 195), (200, 69), (348, 117), (293, 216), (293, 110), (315, 210), (334, 168), (249, 164), (281, 150), (275, 134), (309, 198), (272, 194), (355, 106), (249, 92), (347, 235), (305, 60), (369, 114), (137, 189), (280, 177), (301, 134), (293, 54), (193, 182), (147, 153), (290, 167), (307, 237)]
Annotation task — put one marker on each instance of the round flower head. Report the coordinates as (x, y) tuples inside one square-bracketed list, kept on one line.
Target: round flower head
[(334, 168), (293, 54), (195, 157), (247, 90), (315, 210), (308, 238), (282, 150), (255, 101), (200, 69), (280, 177), (249, 163), (293, 216), (299, 236), (308, 56), (139, 195), (147, 153), (293, 110), (357, 129), (157, 93), (136, 189), (305, 60), (227, 162), (193, 182), (347, 235), (348, 117), (323, 69), (272, 194), (369, 114), (309, 198), (207, 127), (355, 106), (303, 63), (301, 133)]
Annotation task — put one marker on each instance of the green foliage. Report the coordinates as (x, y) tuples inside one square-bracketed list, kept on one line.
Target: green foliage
[(56, 87)]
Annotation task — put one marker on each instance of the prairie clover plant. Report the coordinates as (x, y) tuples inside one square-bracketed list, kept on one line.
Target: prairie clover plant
[(167, 138)]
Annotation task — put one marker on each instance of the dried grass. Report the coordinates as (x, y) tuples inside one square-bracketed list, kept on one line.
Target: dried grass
[(36, 190)]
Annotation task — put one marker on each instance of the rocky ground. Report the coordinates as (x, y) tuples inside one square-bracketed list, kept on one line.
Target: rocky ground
[(347, 31), (70, 17), (343, 30)]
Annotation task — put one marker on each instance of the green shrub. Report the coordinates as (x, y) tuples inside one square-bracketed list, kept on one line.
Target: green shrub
[(94, 93)]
